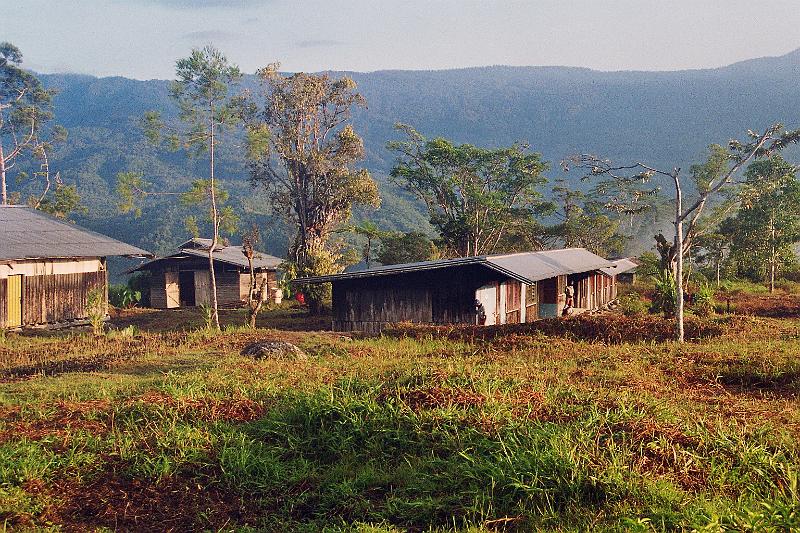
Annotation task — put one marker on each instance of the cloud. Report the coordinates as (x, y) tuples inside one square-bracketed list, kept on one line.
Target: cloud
[(319, 43), (209, 36)]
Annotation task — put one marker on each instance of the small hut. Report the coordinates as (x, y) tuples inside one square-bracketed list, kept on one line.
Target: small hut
[(495, 289), (183, 279), (623, 270), (49, 268)]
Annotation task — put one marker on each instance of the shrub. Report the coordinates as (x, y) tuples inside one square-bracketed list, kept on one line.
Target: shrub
[(96, 307), (665, 294), (632, 304), (123, 296), (704, 300)]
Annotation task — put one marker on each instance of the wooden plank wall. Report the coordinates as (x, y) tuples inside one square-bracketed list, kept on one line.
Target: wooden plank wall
[(531, 303), (244, 285), (434, 297), (513, 302), (58, 298)]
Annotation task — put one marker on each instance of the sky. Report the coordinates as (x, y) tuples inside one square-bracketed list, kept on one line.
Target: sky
[(143, 38)]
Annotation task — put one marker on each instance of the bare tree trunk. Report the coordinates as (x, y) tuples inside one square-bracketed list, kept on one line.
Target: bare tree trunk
[(719, 266), (679, 257), (215, 224), (3, 190), (772, 252)]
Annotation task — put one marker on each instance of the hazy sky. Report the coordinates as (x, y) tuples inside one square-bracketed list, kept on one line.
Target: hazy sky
[(143, 38)]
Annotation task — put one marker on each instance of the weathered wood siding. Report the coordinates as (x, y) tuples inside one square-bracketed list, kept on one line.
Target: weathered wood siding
[(593, 290), (57, 298), (444, 296), (164, 290), (244, 284)]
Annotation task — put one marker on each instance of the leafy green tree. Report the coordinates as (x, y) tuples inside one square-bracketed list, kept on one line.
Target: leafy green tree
[(26, 109), (370, 232), (473, 195), (206, 111), (398, 247), (303, 150), (584, 224), (625, 199), (767, 225), (710, 249)]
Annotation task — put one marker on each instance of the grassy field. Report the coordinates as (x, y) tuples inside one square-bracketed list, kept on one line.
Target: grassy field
[(162, 426)]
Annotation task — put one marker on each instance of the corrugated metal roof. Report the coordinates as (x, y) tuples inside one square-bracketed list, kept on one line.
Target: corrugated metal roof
[(231, 255), (621, 266), (26, 233), (526, 267)]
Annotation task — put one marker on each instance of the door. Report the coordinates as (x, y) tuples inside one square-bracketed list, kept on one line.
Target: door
[(186, 283), (172, 288), (548, 297), (513, 302), (487, 296), (202, 287), (14, 295)]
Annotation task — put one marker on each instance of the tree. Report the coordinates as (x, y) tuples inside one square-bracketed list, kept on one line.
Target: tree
[(256, 293), (716, 175), (767, 224), (397, 247), (369, 230), (473, 195), (26, 108), (206, 111), (303, 151), (583, 224), (625, 198), (710, 249)]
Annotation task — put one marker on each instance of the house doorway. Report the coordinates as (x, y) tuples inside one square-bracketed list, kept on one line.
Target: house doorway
[(186, 288)]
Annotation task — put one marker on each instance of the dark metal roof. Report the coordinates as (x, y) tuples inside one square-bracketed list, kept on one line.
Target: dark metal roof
[(232, 255), (26, 233), (526, 267)]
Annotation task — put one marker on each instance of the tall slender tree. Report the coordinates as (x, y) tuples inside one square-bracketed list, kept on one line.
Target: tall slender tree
[(207, 111)]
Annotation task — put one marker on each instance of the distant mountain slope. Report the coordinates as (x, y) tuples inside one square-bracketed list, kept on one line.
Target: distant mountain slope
[(663, 117)]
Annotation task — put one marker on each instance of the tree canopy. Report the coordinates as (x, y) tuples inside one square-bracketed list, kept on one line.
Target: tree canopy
[(473, 195)]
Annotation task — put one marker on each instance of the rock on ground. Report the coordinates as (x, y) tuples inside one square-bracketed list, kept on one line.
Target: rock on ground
[(274, 350)]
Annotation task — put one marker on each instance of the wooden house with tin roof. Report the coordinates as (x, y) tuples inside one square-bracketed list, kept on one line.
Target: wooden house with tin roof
[(183, 279), (49, 267), (491, 289)]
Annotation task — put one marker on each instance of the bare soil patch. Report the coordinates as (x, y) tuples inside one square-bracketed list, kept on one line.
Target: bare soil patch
[(116, 502)]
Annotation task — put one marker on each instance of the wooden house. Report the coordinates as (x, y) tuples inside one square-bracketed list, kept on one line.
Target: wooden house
[(183, 279), (506, 289), (49, 267)]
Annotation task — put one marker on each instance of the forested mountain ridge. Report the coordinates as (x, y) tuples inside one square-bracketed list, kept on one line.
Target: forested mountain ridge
[(665, 118)]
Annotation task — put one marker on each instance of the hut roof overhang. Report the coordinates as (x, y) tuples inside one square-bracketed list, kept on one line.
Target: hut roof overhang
[(28, 234), (621, 266), (231, 255), (527, 267)]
